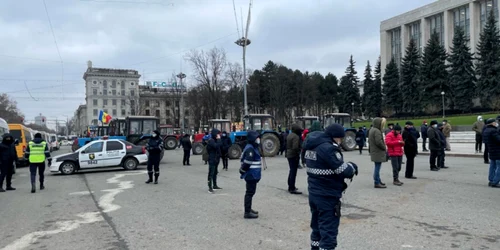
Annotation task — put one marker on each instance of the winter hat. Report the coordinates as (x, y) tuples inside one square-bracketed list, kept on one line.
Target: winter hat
[(397, 128), (434, 122), (390, 124), (440, 125), (490, 121), (409, 123), (335, 131), (38, 135)]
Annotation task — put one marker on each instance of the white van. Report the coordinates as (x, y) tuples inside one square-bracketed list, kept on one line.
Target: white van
[(4, 127), (53, 141)]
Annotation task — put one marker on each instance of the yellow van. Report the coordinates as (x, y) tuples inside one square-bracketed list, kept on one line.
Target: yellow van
[(24, 136)]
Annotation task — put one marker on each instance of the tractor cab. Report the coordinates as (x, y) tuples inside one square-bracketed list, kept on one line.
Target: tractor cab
[(220, 124), (117, 127), (170, 135), (306, 121), (140, 127), (344, 119), (166, 129), (258, 122)]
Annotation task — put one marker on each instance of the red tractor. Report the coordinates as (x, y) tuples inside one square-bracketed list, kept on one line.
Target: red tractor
[(220, 124), (170, 138)]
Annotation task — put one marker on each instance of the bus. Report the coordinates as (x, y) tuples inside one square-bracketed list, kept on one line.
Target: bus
[(23, 135)]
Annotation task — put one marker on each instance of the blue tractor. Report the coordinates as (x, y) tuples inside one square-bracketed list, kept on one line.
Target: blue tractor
[(134, 129), (344, 119), (264, 124)]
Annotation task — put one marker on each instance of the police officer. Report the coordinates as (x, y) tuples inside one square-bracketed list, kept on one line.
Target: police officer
[(326, 172), (214, 153), (154, 147), (37, 152), (8, 156), (250, 171), (226, 144), (187, 146)]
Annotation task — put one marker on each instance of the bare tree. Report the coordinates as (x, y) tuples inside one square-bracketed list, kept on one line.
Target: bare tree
[(9, 110), (209, 69), (135, 104)]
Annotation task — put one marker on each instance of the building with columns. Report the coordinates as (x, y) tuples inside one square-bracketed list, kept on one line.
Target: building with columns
[(441, 17)]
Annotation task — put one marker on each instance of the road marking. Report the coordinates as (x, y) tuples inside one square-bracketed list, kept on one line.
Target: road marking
[(105, 202), (82, 193)]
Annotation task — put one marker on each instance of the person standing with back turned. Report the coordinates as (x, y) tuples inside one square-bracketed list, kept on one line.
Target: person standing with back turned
[(154, 147), (377, 149), (37, 152), (326, 171), (8, 156), (293, 150)]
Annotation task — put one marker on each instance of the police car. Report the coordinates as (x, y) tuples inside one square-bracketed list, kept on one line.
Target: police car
[(100, 154)]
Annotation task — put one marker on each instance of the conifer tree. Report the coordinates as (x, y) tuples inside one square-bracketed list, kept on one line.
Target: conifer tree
[(377, 90), (488, 65), (434, 75), (462, 75), (349, 90), (368, 91), (410, 79), (392, 94)]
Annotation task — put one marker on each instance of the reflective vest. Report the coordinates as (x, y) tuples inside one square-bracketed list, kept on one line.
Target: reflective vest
[(37, 152)]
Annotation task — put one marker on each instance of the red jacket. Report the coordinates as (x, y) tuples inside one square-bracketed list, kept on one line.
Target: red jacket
[(304, 134), (394, 148)]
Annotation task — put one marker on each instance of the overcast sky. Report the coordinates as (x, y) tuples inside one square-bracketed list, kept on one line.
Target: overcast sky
[(153, 36)]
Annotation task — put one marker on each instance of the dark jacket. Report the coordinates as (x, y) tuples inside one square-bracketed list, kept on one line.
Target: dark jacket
[(360, 138), (214, 148), (442, 138), (435, 142), (250, 159), (326, 169), (377, 147), (155, 146), (491, 136), (410, 141), (186, 143), (226, 144), (293, 142), (423, 130), (8, 153)]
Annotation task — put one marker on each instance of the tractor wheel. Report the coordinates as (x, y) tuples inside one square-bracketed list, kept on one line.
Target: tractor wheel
[(197, 148), (234, 152), (270, 144), (170, 143), (349, 142)]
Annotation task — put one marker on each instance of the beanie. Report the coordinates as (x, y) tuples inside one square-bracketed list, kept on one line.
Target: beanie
[(397, 128), (38, 135), (434, 122), (490, 121), (335, 131)]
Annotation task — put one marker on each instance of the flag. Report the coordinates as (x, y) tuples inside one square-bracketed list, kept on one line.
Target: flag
[(104, 117)]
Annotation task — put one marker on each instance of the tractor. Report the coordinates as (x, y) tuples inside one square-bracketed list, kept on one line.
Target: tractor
[(221, 125), (306, 121), (170, 138), (262, 123), (344, 119), (134, 129)]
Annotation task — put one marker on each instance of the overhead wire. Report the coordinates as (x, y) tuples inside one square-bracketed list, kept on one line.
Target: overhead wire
[(122, 1), (57, 46), (26, 86)]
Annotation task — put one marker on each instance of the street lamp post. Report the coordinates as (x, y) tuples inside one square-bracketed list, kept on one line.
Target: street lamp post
[(352, 108), (181, 116), (442, 97), (244, 42)]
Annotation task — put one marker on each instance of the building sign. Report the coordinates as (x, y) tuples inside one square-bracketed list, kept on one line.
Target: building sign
[(155, 84)]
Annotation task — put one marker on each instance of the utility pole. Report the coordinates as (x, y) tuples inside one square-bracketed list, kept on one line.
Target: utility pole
[(57, 126), (244, 42), (181, 108)]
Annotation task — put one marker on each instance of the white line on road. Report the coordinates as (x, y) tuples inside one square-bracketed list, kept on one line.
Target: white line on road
[(82, 193), (105, 202)]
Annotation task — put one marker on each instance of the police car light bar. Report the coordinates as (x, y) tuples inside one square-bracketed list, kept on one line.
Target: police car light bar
[(104, 137)]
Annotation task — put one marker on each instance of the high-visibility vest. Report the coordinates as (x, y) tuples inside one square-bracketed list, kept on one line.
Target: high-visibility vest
[(37, 152)]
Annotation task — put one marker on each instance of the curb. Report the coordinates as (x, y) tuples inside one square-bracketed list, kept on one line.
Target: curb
[(448, 153)]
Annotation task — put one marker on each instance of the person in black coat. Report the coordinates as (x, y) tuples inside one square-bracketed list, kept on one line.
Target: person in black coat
[(8, 156), (154, 147), (411, 148), (187, 146), (226, 144), (361, 139), (282, 139), (442, 153), (492, 136), (423, 130), (214, 145), (435, 144)]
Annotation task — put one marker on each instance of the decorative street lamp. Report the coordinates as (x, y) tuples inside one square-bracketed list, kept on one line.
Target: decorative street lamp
[(352, 108), (442, 97), (181, 116), (244, 42)]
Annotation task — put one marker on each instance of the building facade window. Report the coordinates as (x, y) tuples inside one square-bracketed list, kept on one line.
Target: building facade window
[(123, 112), (132, 92), (114, 112), (94, 102), (105, 102), (147, 112), (113, 84), (94, 91), (167, 112), (157, 113), (396, 45), (415, 34), (123, 102), (94, 112), (486, 7), (122, 84), (167, 103), (113, 92), (437, 26), (123, 92), (461, 18), (113, 102), (105, 92), (146, 103), (104, 84)]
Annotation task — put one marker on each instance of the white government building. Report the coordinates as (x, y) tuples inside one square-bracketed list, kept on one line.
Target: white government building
[(441, 17)]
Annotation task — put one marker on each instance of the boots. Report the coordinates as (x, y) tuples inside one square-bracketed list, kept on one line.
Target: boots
[(42, 187), (33, 187), (250, 215), (397, 182), (215, 183), (156, 177), (150, 178), (210, 189)]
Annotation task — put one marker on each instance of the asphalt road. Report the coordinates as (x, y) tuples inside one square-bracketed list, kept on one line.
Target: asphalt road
[(115, 209)]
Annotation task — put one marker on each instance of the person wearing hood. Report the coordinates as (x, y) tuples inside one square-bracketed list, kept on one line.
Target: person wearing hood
[(492, 138), (250, 170), (326, 171), (435, 144), (214, 145), (8, 156), (360, 139), (395, 144), (293, 151), (154, 147), (37, 152), (226, 144), (410, 137), (186, 146), (377, 149), (478, 128)]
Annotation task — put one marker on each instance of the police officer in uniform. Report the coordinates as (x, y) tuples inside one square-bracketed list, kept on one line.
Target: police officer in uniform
[(154, 147), (8, 156), (250, 171), (326, 172), (37, 152), (214, 146)]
